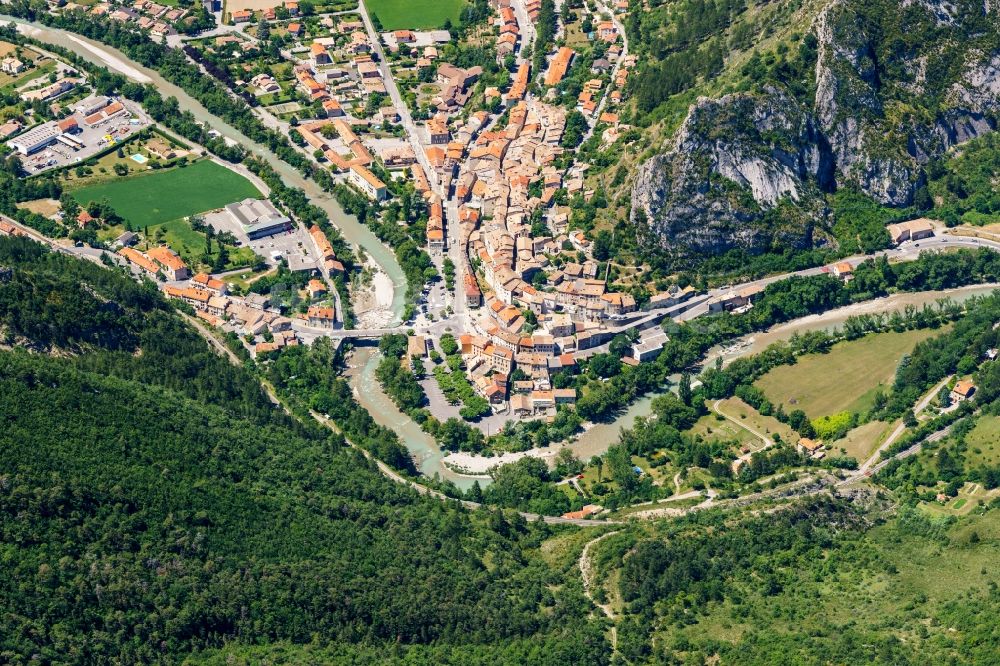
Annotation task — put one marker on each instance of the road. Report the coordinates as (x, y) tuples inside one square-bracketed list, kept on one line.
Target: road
[(397, 99), (88, 253), (913, 450), (587, 574), (525, 25), (907, 251), (868, 464), (395, 476), (867, 470), (384, 469), (601, 7)]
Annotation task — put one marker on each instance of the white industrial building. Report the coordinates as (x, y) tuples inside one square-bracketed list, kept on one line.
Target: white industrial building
[(91, 105), (36, 138), (259, 218)]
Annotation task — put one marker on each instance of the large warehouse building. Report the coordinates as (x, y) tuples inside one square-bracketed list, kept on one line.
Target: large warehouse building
[(35, 139), (259, 218)]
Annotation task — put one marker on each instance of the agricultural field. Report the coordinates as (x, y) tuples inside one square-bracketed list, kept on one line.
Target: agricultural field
[(843, 380), (156, 197), (415, 14), (862, 441)]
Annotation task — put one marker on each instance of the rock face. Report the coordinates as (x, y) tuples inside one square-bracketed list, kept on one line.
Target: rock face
[(742, 166), (733, 159)]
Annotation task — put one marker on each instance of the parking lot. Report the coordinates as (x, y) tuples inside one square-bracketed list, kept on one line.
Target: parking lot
[(92, 138), (295, 247)]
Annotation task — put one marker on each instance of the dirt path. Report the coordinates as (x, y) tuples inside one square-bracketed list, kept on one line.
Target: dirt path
[(767, 441), (587, 573)]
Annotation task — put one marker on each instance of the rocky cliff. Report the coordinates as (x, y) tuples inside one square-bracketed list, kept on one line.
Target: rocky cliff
[(897, 83), (734, 159)]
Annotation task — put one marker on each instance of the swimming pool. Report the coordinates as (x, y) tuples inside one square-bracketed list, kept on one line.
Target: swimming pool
[(141, 159)]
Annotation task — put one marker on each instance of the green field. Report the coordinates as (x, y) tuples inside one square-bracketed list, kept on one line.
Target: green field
[(190, 244), (845, 379), (984, 442), (181, 238), (415, 14), (861, 441), (157, 197)]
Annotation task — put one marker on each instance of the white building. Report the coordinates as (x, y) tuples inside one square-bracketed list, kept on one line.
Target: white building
[(36, 138), (367, 182)]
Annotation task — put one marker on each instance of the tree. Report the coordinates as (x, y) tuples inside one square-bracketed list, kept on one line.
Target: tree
[(944, 397), (621, 468), (602, 245), (567, 464), (605, 365), (684, 388), (620, 345), (70, 206)]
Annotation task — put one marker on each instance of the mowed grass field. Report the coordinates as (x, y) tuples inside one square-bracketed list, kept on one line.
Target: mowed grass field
[(156, 197), (844, 379), (861, 441), (415, 14)]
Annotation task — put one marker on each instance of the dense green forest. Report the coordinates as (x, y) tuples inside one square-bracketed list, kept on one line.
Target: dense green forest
[(155, 504)]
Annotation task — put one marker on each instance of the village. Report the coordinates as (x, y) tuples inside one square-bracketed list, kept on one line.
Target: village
[(489, 148)]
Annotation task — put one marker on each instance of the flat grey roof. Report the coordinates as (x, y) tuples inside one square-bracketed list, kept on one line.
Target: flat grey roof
[(256, 214)]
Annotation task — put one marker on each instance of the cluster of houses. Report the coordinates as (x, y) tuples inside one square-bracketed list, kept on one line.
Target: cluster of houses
[(509, 31), (250, 316), (453, 85), (158, 20), (456, 86), (244, 15), (234, 46), (8, 229), (253, 316), (509, 175), (159, 260), (491, 361), (736, 300), (52, 91), (323, 70), (331, 265)]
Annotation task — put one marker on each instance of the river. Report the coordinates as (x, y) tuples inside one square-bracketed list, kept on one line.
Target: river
[(430, 459), (598, 437), (352, 230), (427, 455)]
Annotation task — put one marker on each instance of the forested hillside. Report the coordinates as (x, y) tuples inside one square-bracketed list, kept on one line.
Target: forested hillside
[(827, 581), (154, 505)]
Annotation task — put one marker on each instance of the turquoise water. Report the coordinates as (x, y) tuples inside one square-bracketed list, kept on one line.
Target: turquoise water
[(141, 159)]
